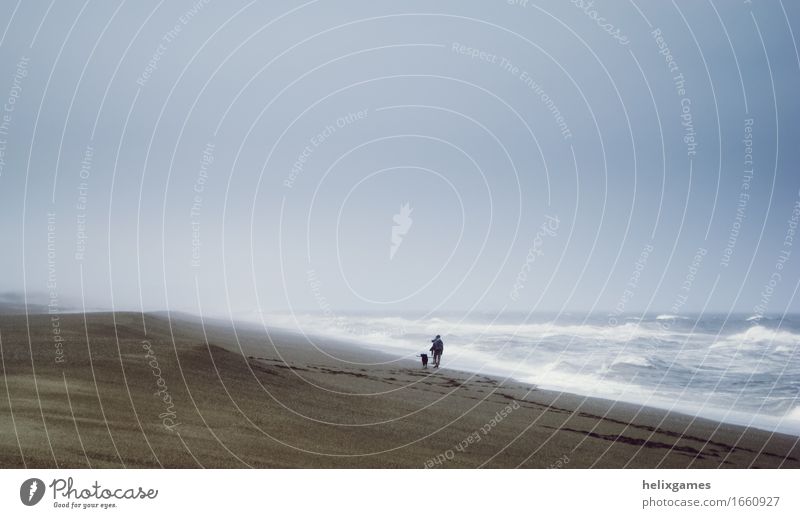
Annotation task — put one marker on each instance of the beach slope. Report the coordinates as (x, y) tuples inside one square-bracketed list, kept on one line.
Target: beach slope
[(157, 390)]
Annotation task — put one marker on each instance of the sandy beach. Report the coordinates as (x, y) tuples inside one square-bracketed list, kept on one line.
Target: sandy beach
[(157, 390)]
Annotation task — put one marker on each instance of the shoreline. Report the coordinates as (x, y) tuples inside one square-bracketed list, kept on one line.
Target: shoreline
[(709, 413), (238, 398)]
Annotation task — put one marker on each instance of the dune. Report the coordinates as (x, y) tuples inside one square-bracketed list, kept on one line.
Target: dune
[(167, 390)]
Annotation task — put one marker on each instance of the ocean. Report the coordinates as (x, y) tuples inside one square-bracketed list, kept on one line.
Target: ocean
[(731, 368)]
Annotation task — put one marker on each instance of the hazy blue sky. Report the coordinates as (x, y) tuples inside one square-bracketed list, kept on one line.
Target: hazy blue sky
[(485, 117)]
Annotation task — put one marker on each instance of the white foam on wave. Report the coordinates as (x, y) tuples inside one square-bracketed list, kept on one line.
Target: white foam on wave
[(671, 317), (759, 336), (471, 331), (787, 349), (793, 415)]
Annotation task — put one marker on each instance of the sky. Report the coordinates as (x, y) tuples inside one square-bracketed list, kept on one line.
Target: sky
[(234, 157)]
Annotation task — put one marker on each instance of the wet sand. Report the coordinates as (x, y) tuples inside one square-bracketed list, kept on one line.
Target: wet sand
[(155, 390)]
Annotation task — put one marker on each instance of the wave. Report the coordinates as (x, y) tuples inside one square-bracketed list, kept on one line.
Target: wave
[(633, 360)]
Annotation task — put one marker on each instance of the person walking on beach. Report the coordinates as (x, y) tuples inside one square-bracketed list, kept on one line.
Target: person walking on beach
[(436, 350)]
